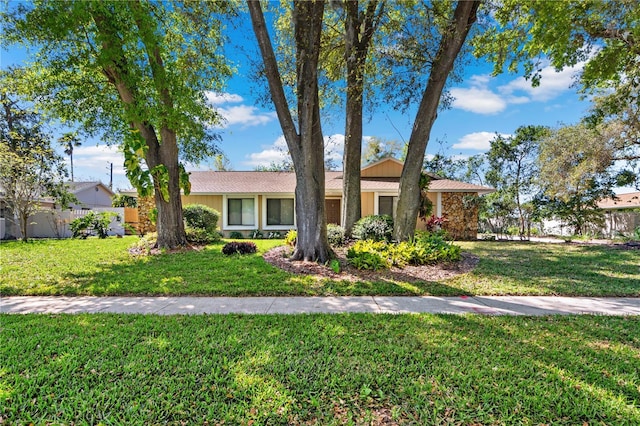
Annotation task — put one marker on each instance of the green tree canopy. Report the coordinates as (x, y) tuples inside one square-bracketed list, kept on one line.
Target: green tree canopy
[(30, 170), (134, 73)]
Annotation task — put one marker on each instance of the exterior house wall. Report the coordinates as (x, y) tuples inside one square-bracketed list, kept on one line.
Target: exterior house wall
[(213, 201), (383, 169), (92, 197), (621, 222), (462, 221), (367, 201)]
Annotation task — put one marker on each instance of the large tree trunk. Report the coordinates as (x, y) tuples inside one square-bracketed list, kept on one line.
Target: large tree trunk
[(312, 241), (450, 45), (163, 152), (306, 147), (169, 222), (356, 51)]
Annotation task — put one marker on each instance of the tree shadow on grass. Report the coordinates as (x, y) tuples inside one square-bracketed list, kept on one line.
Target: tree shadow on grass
[(554, 269), (322, 369), (208, 272)]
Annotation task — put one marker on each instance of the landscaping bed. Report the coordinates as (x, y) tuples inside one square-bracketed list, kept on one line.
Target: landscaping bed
[(280, 257)]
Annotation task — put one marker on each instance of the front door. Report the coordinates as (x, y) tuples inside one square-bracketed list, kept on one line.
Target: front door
[(332, 210)]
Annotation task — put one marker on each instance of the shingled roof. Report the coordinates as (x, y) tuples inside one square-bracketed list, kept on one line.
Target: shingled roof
[(621, 201), (258, 182)]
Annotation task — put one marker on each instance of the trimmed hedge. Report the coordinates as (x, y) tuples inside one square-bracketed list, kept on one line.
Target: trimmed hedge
[(201, 217), (239, 247)]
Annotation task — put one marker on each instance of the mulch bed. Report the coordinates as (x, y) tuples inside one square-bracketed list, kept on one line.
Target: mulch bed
[(279, 257)]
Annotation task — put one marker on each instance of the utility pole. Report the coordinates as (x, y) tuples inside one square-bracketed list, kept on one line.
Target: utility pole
[(111, 176)]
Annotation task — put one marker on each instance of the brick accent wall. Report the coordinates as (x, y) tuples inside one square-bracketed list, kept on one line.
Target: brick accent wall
[(462, 216), (145, 205)]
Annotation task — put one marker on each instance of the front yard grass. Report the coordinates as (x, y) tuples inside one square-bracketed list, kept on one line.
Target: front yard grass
[(319, 369), (104, 267)]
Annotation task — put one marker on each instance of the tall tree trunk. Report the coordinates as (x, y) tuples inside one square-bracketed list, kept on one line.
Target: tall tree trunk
[(163, 152), (24, 223), (450, 45), (307, 146), (358, 33)]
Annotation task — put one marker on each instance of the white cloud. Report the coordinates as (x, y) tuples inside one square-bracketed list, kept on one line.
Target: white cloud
[(277, 152), (479, 141), (92, 162), (223, 98), (245, 115), (481, 99), (552, 84), (478, 100)]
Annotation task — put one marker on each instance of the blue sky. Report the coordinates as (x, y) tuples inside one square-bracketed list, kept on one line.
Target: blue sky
[(483, 106)]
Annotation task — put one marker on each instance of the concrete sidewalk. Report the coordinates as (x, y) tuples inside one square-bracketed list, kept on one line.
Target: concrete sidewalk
[(484, 305)]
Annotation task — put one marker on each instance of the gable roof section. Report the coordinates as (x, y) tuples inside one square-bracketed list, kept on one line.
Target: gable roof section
[(621, 201), (77, 187)]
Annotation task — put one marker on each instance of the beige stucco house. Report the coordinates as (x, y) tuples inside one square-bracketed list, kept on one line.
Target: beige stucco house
[(250, 200)]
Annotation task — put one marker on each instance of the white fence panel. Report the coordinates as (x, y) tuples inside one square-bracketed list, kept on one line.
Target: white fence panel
[(55, 223)]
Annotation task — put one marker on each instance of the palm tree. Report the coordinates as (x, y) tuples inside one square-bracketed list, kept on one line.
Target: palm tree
[(68, 142)]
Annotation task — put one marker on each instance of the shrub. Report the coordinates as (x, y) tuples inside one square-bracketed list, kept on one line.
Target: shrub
[(435, 223), (245, 247), (425, 248), (91, 222), (144, 244), (374, 227), (368, 254), (201, 217), (235, 235), (122, 200), (291, 238), (257, 234), (201, 236), (335, 234)]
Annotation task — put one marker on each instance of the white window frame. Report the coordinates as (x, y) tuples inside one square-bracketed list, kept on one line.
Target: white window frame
[(376, 200), (264, 212), (225, 212)]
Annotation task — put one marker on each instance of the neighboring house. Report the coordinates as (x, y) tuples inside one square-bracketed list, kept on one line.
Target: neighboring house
[(622, 214), (90, 195), (256, 200), (50, 222)]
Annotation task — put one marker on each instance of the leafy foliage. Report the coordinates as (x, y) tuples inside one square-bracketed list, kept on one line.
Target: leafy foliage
[(123, 200), (92, 222), (435, 223), (29, 167), (201, 217), (374, 227), (291, 238), (427, 247), (239, 247), (514, 167), (335, 235), (201, 236), (236, 235), (139, 78)]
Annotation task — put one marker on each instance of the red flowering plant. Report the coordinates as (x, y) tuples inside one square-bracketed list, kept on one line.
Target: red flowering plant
[(435, 222)]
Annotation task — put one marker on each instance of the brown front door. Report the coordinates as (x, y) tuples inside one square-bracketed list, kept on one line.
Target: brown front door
[(332, 210)]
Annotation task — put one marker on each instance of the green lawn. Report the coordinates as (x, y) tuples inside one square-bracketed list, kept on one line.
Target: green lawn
[(319, 369), (104, 267)]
